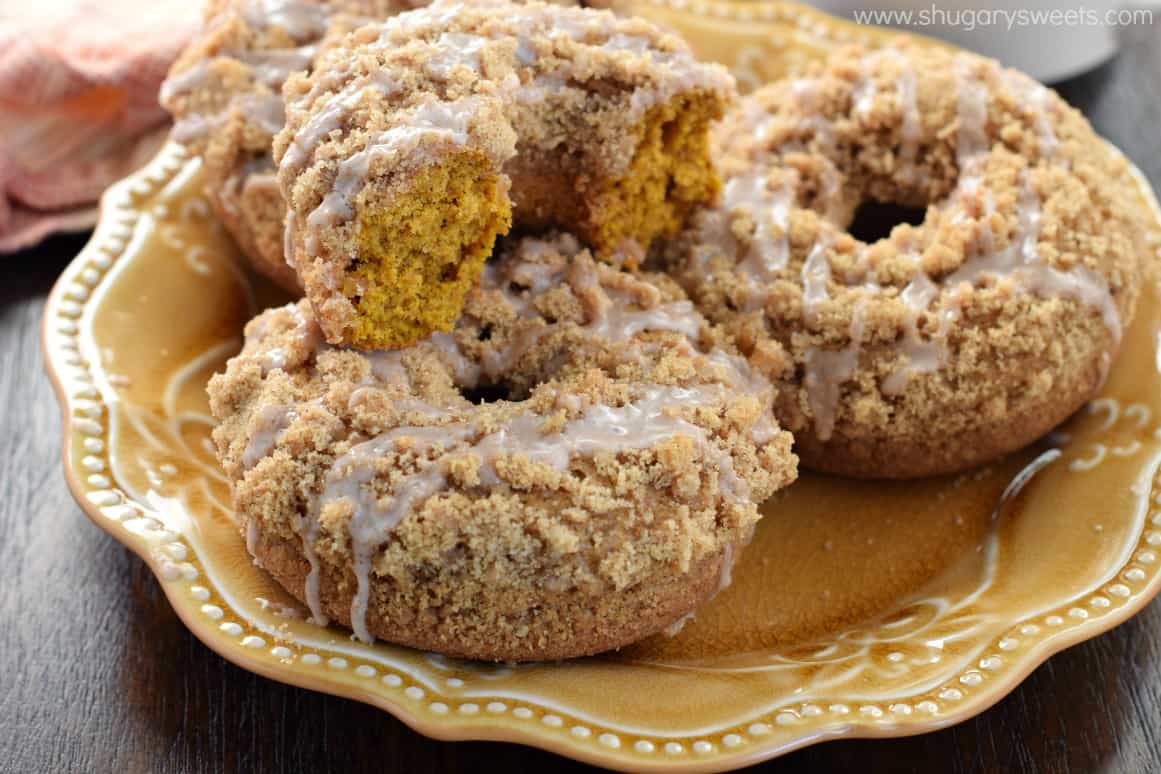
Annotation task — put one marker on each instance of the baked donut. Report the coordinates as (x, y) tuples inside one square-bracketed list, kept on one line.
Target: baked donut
[(405, 147), (225, 94), (942, 344), (574, 468)]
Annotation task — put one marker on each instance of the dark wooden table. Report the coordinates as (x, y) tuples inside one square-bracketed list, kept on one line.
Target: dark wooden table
[(98, 675)]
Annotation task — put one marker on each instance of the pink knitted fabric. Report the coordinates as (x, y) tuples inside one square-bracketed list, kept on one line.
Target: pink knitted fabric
[(78, 104)]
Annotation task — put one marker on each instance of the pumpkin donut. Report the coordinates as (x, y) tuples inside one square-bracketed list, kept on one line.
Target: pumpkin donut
[(940, 345), (225, 94), (416, 142), (574, 468)]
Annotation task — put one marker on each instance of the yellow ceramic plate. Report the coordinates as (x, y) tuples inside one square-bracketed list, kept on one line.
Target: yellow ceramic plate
[(861, 609)]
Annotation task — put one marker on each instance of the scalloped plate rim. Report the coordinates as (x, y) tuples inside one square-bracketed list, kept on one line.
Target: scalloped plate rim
[(489, 728)]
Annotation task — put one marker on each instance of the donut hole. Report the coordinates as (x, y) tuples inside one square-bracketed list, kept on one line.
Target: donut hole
[(874, 220), (480, 394)]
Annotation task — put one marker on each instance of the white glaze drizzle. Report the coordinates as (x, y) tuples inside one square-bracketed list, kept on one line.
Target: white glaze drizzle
[(266, 110), (373, 519), (805, 93), (301, 21), (911, 128), (735, 371), (1039, 104), (288, 230), (388, 367), (971, 117), (329, 118), (726, 574), (607, 310), (1041, 100), (769, 249), (304, 22), (725, 578), (257, 108), (269, 66), (454, 50), (826, 372), (466, 371), (919, 355), (906, 94), (184, 81), (306, 526), (252, 540), (271, 421), (815, 280)]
